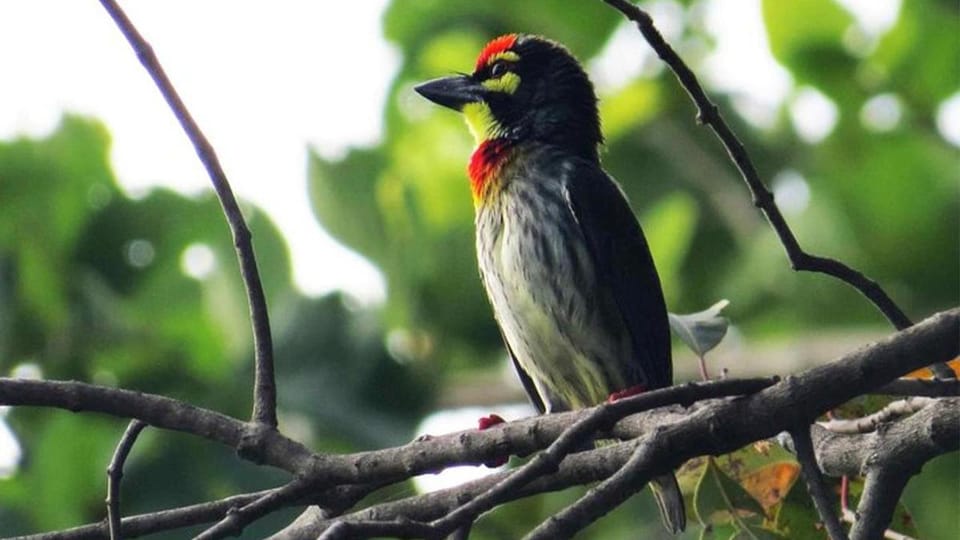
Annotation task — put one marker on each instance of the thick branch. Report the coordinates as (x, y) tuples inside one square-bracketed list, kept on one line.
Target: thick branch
[(719, 428), (725, 425), (261, 446), (576, 469), (932, 431), (265, 390)]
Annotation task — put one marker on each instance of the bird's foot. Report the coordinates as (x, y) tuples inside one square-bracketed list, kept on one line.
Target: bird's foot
[(626, 392), (486, 422)]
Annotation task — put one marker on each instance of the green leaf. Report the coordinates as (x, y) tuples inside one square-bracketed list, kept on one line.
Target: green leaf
[(800, 25), (701, 331), (65, 471), (719, 499), (806, 37), (905, 55), (796, 516)]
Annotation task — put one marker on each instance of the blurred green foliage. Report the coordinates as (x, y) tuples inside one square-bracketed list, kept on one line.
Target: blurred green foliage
[(93, 283), (96, 286)]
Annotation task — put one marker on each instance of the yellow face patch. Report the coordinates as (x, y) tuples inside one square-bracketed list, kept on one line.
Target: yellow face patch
[(506, 83), (509, 56), (483, 126)]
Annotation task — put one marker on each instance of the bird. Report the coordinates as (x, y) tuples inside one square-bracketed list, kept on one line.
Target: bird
[(564, 262)]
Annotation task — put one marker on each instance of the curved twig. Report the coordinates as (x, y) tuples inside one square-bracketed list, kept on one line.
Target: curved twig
[(265, 390), (154, 522), (709, 114), (234, 521), (115, 473), (609, 494)]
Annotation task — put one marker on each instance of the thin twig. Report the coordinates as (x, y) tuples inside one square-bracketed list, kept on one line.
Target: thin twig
[(609, 494), (115, 474), (235, 521), (709, 114), (265, 390), (397, 528), (154, 522), (816, 485), (866, 424)]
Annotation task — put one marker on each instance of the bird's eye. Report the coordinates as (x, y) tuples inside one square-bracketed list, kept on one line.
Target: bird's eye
[(498, 69)]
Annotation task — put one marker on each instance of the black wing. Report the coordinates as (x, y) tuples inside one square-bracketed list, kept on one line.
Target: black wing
[(620, 251), (525, 380)]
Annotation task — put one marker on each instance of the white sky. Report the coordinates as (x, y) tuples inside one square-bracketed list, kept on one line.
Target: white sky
[(263, 81)]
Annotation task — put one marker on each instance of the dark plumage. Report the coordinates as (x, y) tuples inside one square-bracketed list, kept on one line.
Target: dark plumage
[(564, 262)]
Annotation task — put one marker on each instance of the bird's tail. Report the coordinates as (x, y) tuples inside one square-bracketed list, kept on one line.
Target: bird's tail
[(670, 501)]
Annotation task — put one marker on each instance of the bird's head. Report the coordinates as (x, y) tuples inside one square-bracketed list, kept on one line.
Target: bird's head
[(524, 88)]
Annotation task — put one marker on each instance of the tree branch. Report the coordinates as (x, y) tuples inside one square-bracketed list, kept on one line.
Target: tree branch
[(153, 522), (265, 390), (866, 424), (234, 522), (709, 114), (265, 447), (888, 456), (115, 474), (715, 428), (609, 494), (819, 492)]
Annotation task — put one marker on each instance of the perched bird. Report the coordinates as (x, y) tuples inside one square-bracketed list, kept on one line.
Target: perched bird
[(565, 265)]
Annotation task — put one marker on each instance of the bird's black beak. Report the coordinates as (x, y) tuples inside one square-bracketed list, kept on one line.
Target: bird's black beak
[(452, 92)]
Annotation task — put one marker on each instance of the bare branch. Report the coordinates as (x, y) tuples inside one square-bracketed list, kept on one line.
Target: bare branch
[(866, 424), (819, 492), (709, 114), (600, 500), (576, 469), (265, 390), (154, 522), (115, 474), (715, 428), (932, 431), (234, 522), (893, 453), (268, 447), (582, 431)]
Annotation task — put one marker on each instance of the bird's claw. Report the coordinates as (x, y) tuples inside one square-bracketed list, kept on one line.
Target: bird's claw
[(626, 392), (486, 422)]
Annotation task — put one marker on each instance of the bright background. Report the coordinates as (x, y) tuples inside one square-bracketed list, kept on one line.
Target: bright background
[(115, 266)]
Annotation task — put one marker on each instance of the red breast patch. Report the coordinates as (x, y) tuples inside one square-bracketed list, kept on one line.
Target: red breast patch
[(486, 162)]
